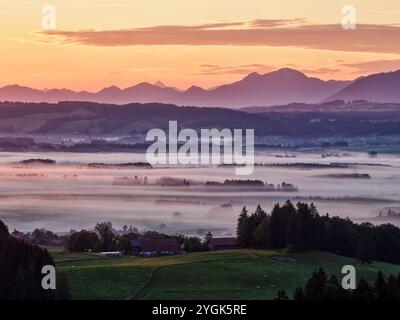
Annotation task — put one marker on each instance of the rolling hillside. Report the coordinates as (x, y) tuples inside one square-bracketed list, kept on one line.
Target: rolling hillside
[(235, 274), (85, 118)]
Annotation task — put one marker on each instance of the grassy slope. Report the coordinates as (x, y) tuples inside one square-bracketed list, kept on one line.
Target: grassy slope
[(235, 274)]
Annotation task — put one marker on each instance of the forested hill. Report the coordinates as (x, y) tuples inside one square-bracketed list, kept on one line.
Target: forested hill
[(21, 265), (87, 118)]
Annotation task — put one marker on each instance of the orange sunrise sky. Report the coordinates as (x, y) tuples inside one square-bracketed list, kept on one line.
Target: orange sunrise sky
[(183, 43)]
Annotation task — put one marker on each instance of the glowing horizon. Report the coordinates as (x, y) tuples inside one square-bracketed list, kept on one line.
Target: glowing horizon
[(189, 43)]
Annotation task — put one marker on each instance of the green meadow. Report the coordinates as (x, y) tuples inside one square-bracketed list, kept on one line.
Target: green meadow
[(231, 274)]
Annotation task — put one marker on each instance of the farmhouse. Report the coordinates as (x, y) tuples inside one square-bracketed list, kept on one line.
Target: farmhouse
[(156, 246), (222, 243)]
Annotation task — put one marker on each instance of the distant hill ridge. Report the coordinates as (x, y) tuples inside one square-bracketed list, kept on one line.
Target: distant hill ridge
[(381, 87), (279, 87)]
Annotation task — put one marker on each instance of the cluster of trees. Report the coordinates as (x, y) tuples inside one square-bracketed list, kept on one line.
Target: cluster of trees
[(195, 244), (38, 161), (320, 287), (76, 241), (247, 182), (172, 182), (40, 237), (21, 264), (103, 238), (301, 227), (43, 237), (82, 241)]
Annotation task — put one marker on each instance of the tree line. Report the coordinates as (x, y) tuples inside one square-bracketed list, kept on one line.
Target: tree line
[(103, 239), (300, 227), (21, 264), (321, 287)]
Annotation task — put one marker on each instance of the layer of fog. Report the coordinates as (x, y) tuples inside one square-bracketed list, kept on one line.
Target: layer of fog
[(71, 195)]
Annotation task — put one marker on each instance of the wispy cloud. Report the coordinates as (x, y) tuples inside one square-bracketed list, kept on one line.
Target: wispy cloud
[(367, 67), (320, 71), (277, 33), (268, 23), (207, 69)]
